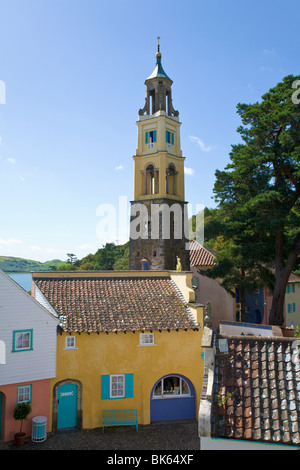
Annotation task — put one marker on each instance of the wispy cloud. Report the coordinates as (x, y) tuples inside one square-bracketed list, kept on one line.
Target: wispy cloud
[(10, 241), (269, 51), (11, 160), (35, 248), (189, 171), (202, 145), (21, 177), (266, 69), (120, 167)]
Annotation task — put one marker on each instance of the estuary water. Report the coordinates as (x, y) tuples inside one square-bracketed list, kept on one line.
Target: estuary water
[(23, 279)]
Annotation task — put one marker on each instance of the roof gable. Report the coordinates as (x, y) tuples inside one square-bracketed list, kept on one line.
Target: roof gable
[(200, 255), (16, 296)]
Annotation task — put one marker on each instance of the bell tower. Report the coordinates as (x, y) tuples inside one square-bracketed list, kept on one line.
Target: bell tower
[(158, 223)]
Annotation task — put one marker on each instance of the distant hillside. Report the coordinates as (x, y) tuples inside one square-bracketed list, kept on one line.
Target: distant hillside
[(20, 265)]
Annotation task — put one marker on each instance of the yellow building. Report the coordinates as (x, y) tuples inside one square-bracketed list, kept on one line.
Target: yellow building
[(292, 301), (127, 340)]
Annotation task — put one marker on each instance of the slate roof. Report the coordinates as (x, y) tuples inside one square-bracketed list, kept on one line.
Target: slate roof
[(116, 304), (263, 376), (200, 255)]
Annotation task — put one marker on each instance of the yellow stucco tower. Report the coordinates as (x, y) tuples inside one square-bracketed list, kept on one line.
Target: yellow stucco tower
[(158, 225)]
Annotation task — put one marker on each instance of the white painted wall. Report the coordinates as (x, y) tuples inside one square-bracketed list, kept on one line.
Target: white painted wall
[(20, 311), (211, 443)]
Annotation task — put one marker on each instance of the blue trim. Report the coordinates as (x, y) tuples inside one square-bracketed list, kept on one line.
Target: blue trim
[(30, 348), (175, 407), (128, 385), (105, 387)]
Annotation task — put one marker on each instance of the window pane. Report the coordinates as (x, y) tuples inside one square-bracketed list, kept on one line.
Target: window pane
[(117, 388), (171, 386), (185, 390), (24, 394), (19, 341), (22, 340), (26, 340), (157, 390)]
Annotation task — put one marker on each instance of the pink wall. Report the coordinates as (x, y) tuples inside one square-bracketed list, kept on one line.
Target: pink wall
[(40, 397)]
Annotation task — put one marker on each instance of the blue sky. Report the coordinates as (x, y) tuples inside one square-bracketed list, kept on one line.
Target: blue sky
[(74, 73)]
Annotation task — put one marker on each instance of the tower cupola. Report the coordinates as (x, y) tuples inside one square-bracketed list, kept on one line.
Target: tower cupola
[(159, 92)]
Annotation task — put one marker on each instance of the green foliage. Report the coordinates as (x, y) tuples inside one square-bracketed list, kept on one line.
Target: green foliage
[(66, 267), (108, 258), (21, 412), (21, 265), (258, 192)]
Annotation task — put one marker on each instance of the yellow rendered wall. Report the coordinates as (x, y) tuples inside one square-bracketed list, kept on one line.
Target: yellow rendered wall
[(161, 161), (293, 298), (96, 355)]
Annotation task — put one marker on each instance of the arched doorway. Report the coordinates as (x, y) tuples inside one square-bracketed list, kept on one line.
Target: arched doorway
[(172, 398), (67, 405)]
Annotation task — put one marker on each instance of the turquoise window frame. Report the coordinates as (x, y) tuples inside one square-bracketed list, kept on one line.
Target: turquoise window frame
[(292, 307), (30, 348), (150, 135), (170, 137), (30, 394), (106, 388)]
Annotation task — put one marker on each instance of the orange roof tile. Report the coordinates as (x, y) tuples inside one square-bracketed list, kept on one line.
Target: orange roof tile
[(116, 304)]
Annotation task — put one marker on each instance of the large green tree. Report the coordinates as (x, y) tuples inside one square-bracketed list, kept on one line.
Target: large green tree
[(259, 189)]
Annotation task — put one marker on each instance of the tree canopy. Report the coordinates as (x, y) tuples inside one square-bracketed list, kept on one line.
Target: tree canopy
[(258, 192)]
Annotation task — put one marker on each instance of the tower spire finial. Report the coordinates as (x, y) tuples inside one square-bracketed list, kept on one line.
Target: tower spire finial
[(158, 54)]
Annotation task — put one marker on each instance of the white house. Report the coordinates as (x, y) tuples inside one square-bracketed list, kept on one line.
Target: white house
[(27, 355)]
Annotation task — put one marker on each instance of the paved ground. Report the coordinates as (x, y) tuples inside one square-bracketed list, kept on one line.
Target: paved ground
[(160, 436)]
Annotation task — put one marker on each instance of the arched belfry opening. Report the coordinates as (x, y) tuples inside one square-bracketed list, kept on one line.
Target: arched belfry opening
[(150, 177), (171, 175)]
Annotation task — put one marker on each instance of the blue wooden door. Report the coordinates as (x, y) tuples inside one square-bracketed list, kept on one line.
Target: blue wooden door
[(67, 406)]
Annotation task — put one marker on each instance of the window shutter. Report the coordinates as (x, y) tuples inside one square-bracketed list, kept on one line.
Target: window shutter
[(167, 137), (129, 385), (172, 138), (146, 137), (105, 387), (154, 136), (294, 307)]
